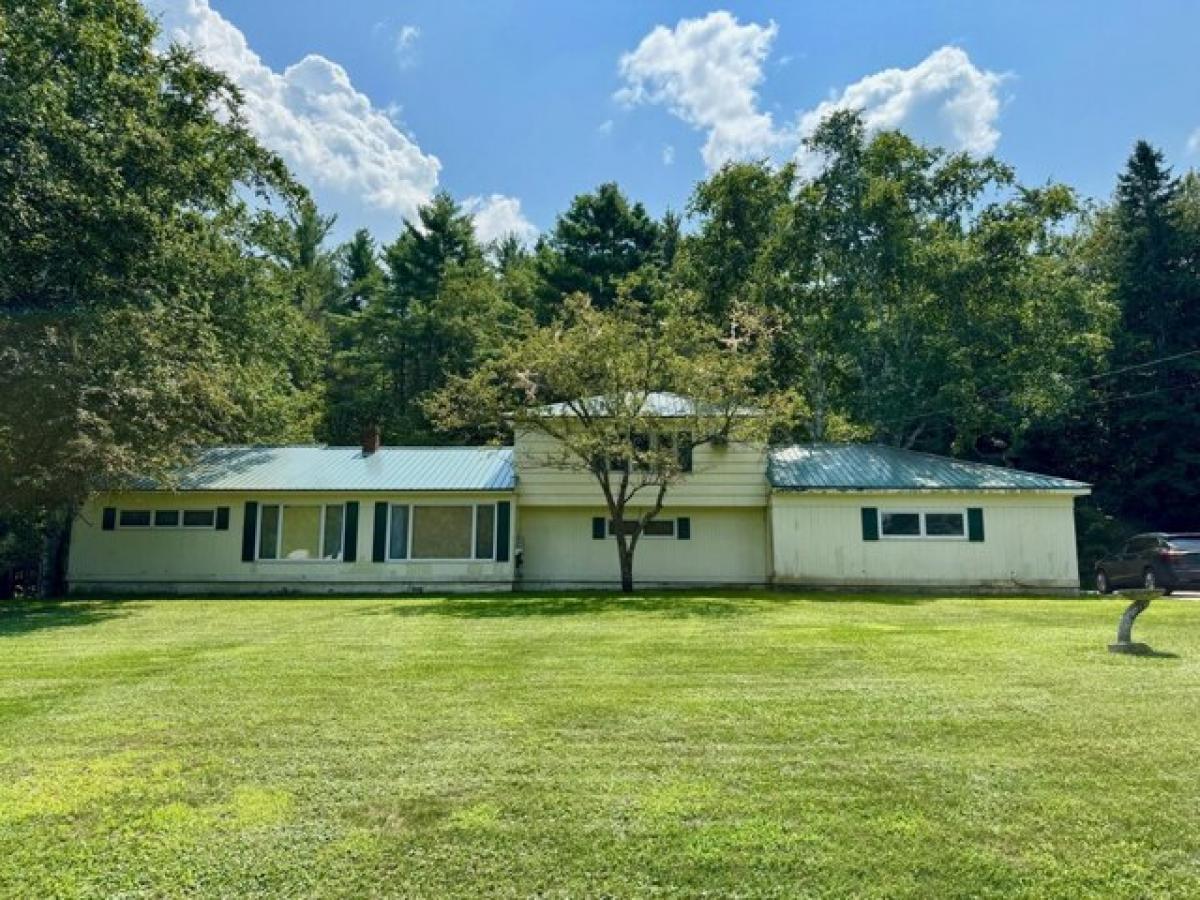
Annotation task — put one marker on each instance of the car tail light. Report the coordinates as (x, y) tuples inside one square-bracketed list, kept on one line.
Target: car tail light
[(1172, 554)]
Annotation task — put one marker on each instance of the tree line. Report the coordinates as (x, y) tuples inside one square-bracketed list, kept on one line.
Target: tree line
[(166, 283)]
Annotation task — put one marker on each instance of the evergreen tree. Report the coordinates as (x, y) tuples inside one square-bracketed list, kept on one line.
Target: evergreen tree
[(595, 245), (1153, 253)]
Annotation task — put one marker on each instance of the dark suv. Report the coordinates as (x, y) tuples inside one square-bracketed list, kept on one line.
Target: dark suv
[(1158, 560)]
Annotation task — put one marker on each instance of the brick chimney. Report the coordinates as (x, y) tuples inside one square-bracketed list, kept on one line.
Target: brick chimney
[(370, 440)]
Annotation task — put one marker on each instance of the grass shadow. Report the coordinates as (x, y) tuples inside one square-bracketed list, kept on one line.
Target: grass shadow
[(19, 617), (682, 604), (501, 606)]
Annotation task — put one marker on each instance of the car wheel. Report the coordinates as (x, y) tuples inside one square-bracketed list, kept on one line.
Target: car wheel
[(1102, 584), (1149, 582)]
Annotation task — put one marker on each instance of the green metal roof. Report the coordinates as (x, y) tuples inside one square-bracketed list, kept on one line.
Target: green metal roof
[(348, 469), (865, 467)]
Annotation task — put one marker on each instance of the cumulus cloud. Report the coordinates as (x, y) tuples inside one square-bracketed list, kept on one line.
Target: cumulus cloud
[(668, 155), (706, 71), (329, 133), (1193, 143), (498, 216), (945, 99)]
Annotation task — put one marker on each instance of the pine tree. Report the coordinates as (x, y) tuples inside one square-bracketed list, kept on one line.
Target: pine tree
[(1155, 407)]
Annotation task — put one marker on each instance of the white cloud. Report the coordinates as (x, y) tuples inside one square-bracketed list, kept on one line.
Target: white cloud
[(605, 127), (406, 39), (668, 155), (349, 151), (945, 99), (1193, 143), (706, 71), (498, 216)]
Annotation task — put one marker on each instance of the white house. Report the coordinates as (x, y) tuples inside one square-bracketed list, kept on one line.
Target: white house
[(317, 519)]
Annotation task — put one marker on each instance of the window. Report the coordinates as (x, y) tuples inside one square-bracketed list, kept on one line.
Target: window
[(943, 524), (199, 518), (398, 536), (662, 528), (442, 532), (168, 518), (900, 524), (134, 518), (301, 532), (644, 443)]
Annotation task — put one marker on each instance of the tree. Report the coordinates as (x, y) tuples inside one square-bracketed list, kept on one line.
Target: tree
[(595, 245), (139, 317), (1153, 253), (738, 209), (594, 380), (924, 299)]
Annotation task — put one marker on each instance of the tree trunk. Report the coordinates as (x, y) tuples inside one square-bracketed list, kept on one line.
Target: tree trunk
[(625, 553)]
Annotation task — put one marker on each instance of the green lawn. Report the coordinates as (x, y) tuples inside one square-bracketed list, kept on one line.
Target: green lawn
[(752, 745)]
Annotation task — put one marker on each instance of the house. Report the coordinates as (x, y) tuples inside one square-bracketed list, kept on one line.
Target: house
[(397, 519)]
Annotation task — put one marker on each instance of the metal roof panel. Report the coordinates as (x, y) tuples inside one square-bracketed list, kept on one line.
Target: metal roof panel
[(348, 469), (877, 467)]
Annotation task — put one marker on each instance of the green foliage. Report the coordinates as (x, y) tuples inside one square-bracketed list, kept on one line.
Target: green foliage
[(596, 245), (436, 312), (138, 315), (604, 367)]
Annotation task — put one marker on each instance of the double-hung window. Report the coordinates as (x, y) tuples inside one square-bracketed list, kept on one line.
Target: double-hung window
[(919, 524), (441, 532), (300, 531)]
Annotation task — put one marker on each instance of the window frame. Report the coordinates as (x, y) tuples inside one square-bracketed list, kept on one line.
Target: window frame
[(149, 522), (473, 505), (320, 558), (154, 512), (611, 532), (921, 513)]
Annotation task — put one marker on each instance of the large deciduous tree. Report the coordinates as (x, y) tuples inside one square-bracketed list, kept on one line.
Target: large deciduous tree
[(137, 319), (594, 381)]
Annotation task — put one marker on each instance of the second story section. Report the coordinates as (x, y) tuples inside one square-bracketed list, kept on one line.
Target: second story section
[(715, 473)]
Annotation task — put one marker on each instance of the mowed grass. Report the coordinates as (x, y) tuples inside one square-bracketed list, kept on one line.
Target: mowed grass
[(676, 745)]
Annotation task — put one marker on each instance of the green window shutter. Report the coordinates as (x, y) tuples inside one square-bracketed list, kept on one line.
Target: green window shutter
[(350, 533), (870, 523), (110, 518), (975, 524), (503, 529), (249, 531), (222, 518), (379, 553), (598, 528), (683, 528)]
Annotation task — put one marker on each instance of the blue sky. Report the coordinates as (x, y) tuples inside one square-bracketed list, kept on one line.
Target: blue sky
[(515, 107)]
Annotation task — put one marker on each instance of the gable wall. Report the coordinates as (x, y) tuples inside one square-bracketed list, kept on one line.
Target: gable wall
[(730, 476)]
